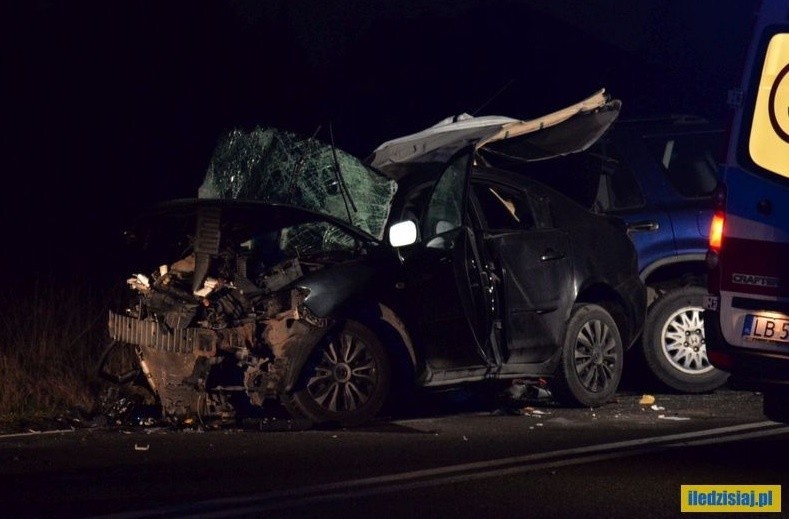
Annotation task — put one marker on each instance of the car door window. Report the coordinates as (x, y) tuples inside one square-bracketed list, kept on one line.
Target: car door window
[(617, 187), (688, 162), (504, 208), (444, 211), (623, 189)]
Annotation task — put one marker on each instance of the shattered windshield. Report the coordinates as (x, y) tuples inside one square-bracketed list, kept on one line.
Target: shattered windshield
[(272, 165)]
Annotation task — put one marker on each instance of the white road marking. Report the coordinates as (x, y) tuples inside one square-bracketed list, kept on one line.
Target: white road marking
[(298, 497), (35, 433)]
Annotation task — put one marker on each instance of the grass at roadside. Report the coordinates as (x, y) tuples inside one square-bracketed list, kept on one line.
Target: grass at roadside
[(52, 331)]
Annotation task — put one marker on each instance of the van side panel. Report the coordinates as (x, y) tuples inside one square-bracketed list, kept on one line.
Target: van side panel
[(747, 312)]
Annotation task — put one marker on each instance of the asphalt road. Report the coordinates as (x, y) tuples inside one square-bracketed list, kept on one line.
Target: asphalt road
[(622, 460)]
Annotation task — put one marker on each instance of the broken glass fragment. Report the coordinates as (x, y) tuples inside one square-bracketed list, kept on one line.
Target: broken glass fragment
[(276, 166)]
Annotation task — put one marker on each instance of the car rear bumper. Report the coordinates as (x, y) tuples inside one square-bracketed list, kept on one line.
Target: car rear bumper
[(751, 367)]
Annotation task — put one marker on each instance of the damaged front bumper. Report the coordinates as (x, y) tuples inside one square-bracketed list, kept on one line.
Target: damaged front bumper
[(215, 373), (227, 326)]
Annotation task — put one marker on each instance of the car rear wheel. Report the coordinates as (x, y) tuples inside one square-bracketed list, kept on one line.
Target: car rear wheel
[(674, 345), (347, 380), (592, 358)]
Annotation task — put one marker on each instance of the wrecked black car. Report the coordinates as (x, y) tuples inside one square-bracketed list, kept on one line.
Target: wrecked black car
[(301, 275)]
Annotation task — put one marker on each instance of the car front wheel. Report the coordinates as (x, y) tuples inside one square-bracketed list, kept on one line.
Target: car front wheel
[(347, 380), (674, 345), (592, 358)]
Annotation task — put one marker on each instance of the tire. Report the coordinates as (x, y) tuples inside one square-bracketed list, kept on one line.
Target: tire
[(121, 392), (592, 358), (674, 346), (346, 381)]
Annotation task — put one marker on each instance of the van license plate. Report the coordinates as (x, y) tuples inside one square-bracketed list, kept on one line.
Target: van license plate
[(761, 328)]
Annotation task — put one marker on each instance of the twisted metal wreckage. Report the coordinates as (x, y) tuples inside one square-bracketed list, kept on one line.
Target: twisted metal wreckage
[(224, 322), (282, 286)]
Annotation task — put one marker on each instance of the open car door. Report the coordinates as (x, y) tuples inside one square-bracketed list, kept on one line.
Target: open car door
[(448, 283)]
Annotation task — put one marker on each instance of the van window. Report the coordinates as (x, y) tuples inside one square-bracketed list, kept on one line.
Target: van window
[(768, 144)]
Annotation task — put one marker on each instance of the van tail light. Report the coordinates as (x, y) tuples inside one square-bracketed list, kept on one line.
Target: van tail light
[(716, 238), (716, 231), (719, 218)]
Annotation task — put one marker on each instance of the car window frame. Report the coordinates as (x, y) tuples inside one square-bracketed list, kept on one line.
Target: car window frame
[(462, 158), (537, 206), (618, 161), (664, 170)]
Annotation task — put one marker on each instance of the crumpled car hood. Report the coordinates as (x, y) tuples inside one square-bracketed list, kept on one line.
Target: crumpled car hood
[(569, 130), (240, 219), (166, 228)]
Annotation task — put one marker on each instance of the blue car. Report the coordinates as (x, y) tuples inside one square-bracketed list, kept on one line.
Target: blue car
[(658, 175)]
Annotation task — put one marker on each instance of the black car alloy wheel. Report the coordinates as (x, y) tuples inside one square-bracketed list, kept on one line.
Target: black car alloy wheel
[(592, 358), (347, 380)]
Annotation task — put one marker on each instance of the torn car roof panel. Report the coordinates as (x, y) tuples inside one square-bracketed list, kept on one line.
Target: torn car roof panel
[(568, 130)]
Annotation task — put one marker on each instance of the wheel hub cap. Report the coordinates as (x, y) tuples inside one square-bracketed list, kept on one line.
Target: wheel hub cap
[(595, 356), (342, 373), (346, 376), (682, 341)]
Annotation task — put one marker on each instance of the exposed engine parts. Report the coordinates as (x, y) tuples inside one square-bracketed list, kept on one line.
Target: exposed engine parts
[(210, 347)]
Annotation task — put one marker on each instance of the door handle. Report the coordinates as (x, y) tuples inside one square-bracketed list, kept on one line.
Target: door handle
[(551, 254), (644, 225)]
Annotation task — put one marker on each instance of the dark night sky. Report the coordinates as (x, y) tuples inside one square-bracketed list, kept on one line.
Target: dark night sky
[(110, 106)]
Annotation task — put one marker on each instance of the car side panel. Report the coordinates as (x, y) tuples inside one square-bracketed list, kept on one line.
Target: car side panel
[(538, 287), (651, 232)]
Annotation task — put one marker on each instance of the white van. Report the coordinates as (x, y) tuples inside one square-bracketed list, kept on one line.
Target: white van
[(747, 310)]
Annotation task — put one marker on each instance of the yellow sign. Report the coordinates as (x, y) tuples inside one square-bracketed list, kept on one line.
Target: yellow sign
[(730, 498), (769, 140)]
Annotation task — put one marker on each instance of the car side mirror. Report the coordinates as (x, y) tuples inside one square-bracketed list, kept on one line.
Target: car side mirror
[(402, 234)]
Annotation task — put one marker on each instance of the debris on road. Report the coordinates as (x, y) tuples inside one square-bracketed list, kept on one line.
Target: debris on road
[(676, 418), (521, 395), (562, 421), (647, 400)]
